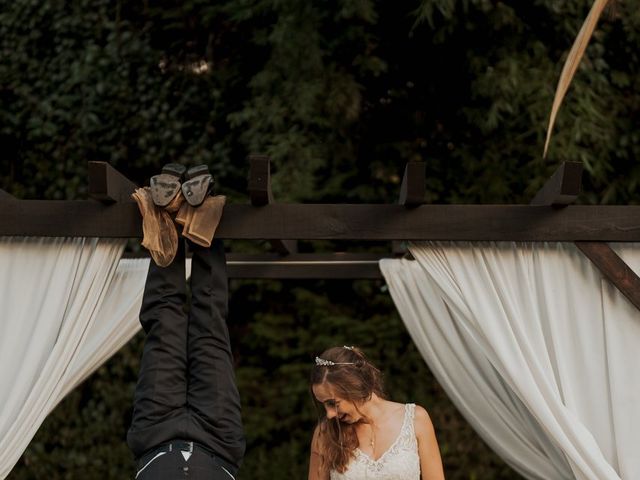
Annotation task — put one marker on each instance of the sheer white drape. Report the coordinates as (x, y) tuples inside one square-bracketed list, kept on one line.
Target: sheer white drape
[(66, 305), (536, 350), (116, 322)]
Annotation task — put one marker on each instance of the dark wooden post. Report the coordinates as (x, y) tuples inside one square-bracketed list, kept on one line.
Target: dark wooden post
[(562, 188), (411, 196), (261, 195), (107, 185), (613, 268), (6, 196), (413, 185)]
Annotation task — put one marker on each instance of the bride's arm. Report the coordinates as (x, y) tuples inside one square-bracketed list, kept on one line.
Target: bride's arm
[(430, 461), (316, 472)]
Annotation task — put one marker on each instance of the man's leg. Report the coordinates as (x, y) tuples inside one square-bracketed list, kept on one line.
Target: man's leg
[(212, 396), (160, 413)]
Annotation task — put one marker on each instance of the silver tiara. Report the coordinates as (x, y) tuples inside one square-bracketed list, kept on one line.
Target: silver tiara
[(328, 363)]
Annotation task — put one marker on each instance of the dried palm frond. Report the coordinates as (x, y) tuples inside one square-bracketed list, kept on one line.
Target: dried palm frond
[(572, 63)]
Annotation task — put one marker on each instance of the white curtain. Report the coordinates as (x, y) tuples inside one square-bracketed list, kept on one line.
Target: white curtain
[(66, 305), (536, 350)]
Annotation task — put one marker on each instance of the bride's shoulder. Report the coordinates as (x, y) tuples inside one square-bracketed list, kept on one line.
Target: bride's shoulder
[(422, 420), (395, 407)]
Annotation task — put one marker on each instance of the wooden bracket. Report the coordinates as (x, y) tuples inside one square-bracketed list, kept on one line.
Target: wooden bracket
[(413, 185), (284, 247), (260, 180), (261, 195), (562, 188), (613, 268), (399, 250), (107, 185), (6, 196), (411, 195)]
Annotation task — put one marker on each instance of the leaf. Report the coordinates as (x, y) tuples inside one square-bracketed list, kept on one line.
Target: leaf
[(572, 63)]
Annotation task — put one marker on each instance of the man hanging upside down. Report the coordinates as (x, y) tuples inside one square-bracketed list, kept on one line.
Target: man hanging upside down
[(186, 417)]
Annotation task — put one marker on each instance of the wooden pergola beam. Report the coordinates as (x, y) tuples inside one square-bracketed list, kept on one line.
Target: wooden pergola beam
[(413, 185), (411, 195), (6, 196), (118, 217), (613, 268), (562, 188), (55, 218), (260, 194), (338, 266), (260, 180), (310, 266), (108, 185)]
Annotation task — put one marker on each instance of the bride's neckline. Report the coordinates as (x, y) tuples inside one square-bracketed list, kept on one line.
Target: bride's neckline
[(393, 444)]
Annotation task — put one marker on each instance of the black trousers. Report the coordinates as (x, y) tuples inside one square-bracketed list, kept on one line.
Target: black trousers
[(180, 460), (186, 388)]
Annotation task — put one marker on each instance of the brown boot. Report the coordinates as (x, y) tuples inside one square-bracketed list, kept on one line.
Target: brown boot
[(166, 185), (197, 185)]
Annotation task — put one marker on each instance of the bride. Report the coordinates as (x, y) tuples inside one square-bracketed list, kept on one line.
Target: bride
[(362, 435)]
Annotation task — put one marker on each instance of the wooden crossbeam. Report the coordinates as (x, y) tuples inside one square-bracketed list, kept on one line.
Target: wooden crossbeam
[(411, 195), (379, 222), (6, 196), (337, 265), (413, 185), (562, 188), (613, 268), (340, 265), (108, 185), (261, 195), (260, 180), (118, 217)]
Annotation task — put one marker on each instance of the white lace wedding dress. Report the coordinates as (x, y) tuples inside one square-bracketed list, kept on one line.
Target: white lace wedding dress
[(400, 462)]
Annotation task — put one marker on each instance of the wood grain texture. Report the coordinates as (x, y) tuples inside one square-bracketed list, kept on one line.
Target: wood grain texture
[(613, 268), (342, 221), (413, 185), (260, 194), (108, 185), (562, 188)]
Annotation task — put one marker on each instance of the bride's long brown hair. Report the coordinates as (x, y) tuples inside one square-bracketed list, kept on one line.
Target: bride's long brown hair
[(356, 382)]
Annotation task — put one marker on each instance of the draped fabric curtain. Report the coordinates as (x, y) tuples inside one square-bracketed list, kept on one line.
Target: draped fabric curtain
[(66, 305), (535, 349), (116, 322)]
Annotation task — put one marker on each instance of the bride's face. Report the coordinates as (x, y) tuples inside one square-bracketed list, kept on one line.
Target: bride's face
[(335, 406)]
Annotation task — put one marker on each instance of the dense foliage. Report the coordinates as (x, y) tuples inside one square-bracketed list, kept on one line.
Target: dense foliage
[(341, 94)]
